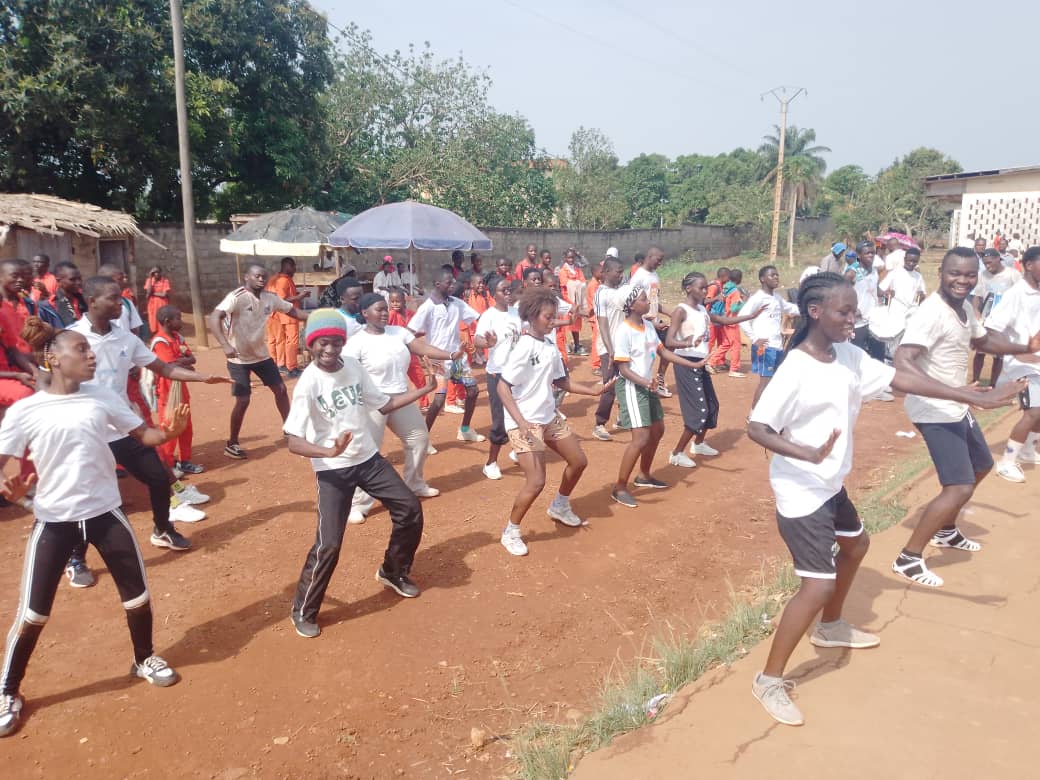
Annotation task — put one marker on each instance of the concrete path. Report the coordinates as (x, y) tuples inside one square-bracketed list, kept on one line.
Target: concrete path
[(952, 692)]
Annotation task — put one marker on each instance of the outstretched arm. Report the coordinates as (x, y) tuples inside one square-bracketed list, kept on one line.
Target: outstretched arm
[(181, 374), (909, 378)]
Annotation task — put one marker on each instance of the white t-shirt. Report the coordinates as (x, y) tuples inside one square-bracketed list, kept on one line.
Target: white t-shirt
[(353, 326), (996, 284), (769, 325), (116, 353), (947, 342), (324, 405), (530, 369), (866, 298), (383, 280), (905, 285), (607, 302), (65, 435), (1018, 318), (563, 309), (695, 324), (637, 347), (894, 260), (440, 322), (129, 317), (506, 326), (651, 282), (246, 322), (810, 270), (385, 357), (804, 402)]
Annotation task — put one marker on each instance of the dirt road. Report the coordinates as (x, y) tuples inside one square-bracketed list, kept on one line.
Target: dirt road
[(951, 692)]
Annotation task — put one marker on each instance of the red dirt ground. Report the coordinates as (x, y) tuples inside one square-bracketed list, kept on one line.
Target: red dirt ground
[(393, 687)]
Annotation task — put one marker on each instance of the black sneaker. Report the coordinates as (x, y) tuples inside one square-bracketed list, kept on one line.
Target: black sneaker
[(305, 628), (399, 583), (170, 539), (10, 713), (624, 498), (234, 451), (293, 374), (80, 576), (156, 671), (649, 482), (187, 467)]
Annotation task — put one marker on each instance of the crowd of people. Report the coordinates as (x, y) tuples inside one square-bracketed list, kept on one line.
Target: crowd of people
[(859, 326)]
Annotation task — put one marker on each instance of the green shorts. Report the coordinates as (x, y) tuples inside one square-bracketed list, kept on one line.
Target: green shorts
[(637, 406)]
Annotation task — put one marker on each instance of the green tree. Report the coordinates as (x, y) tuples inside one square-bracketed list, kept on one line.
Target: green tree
[(695, 180), (588, 190), (644, 187), (87, 107)]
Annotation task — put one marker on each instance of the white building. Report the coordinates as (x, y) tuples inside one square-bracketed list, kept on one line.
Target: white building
[(1005, 200)]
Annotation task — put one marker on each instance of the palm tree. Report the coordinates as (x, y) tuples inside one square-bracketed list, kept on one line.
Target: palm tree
[(803, 171)]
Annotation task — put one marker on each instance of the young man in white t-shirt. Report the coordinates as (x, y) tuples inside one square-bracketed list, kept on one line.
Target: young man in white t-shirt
[(937, 343), (498, 330), (239, 324), (896, 256), (438, 319), (606, 307), (904, 285), (765, 332), (866, 300), (646, 277), (329, 423), (994, 280), (1018, 318)]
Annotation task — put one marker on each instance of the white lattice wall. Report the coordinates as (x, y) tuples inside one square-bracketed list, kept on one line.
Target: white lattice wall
[(1010, 212)]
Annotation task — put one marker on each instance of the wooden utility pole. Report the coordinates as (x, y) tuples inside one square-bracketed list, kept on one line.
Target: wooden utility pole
[(198, 315), (780, 93)]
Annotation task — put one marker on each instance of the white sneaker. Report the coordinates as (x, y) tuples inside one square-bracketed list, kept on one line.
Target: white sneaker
[(470, 435), (186, 513), (513, 457), (191, 495), (453, 409), (177, 473), (601, 433), (1028, 456), (427, 491), (356, 517), (565, 515), (1011, 472), (431, 450), (492, 471), (681, 459), (513, 542), (704, 449)]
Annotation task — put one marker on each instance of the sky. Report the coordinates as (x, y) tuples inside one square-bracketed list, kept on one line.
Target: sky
[(687, 77)]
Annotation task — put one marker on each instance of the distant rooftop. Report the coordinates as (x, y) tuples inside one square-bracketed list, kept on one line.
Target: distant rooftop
[(980, 174)]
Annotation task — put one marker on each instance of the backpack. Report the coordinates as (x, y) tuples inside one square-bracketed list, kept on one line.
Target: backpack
[(718, 304), (45, 312)]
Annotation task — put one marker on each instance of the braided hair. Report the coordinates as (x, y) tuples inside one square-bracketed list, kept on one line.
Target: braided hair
[(814, 291), (691, 277)]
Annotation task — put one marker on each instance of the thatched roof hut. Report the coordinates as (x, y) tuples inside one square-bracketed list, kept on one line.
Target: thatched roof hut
[(66, 230)]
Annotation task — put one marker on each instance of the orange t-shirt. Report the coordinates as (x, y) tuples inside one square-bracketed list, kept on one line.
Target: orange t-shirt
[(284, 287)]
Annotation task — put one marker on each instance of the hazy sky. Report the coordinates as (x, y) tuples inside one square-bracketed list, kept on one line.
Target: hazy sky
[(685, 77)]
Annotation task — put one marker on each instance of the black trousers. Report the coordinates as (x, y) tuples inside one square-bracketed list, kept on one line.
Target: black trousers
[(144, 465), (335, 491), (497, 434), (866, 341), (606, 401), (45, 557)]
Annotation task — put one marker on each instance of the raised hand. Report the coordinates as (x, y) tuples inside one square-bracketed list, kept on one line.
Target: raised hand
[(820, 453), (341, 444), (177, 421), (15, 488)]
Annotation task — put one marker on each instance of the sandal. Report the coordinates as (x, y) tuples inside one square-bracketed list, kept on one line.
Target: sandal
[(913, 569), (955, 539)]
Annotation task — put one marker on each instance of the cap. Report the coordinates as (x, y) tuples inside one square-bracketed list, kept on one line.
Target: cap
[(991, 253), (838, 248), (851, 256), (612, 252), (325, 322)]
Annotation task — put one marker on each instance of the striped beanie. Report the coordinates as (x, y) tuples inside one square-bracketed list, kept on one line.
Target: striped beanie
[(325, 322)]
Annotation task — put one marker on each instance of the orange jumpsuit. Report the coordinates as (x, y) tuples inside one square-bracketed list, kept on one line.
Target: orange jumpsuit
[(283, 330)]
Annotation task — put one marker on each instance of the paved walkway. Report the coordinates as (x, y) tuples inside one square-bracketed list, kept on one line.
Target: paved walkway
[(952, 692)]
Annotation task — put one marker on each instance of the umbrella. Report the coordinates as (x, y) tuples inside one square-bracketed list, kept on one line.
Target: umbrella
[(904, 240), (301, 232), (410, 225)]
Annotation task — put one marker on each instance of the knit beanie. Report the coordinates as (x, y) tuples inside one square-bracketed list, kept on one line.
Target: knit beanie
[(325, 322)]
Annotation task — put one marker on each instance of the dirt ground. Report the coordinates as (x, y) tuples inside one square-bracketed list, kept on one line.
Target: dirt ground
[(950, 693), (393, 687)]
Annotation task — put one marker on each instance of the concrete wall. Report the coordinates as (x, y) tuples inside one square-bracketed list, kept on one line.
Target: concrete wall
[(218, 273)]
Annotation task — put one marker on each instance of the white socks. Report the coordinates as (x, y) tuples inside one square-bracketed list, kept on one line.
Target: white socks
[(561, 501), (1011, 450)]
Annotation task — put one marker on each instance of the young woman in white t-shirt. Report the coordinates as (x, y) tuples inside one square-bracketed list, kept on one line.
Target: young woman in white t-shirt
[(497, 330), (636, 346), (385, 351), (330, 422), (806, 416), (531, 369), (65, 427)]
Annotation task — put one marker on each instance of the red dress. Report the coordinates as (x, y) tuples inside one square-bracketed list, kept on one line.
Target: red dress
[(152, 289)]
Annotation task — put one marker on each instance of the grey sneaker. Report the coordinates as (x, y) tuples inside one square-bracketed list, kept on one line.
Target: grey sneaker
[(169, 539), (842, 634), (565, 515), (401, 584), (600, 432), (10, 713), (80, 576), (156, 671), (308, 629), (772, 692)]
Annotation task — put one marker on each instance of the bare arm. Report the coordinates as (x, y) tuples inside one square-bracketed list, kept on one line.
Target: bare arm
[(300, 315), (412, 395), (670, 357), (671, 339), (582, 388), (215, 321), (631, 376), (300, 446), (153, 437), (423, 348), (763, 435), (505, 395), (994, 343), (911, 379), (181, 374)]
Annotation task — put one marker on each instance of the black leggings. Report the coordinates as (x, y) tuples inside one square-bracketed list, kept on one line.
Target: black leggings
[(335, 491), (45, 556), (497, 434), (144, 465)]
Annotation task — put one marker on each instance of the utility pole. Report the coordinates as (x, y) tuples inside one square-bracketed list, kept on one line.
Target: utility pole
[(198, 315), (780, 93)]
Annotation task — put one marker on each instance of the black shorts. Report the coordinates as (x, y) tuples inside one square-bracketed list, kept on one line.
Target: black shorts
[(266, 371), (958, 449), (811, 538)]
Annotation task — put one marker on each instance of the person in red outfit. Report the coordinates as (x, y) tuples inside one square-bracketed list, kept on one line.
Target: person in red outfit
[(157, 289), (44, 283), (170, 347)]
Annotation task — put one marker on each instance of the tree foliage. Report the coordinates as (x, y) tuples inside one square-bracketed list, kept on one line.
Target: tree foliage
[(87, 104), (589, 187)]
